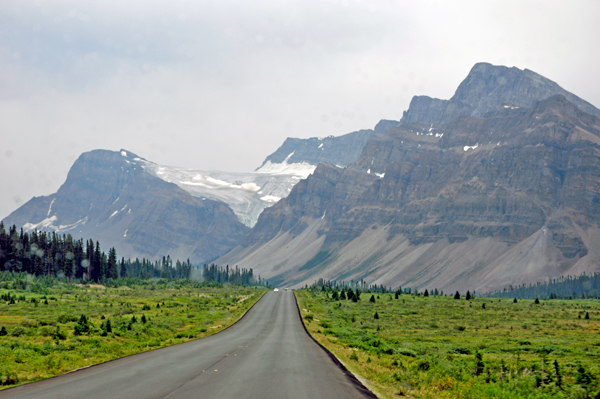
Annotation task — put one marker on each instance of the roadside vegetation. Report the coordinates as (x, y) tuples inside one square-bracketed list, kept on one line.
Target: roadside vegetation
[(49, 327), (441, 347)]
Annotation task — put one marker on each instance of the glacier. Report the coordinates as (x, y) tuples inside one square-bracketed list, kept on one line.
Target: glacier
[(246, 193)]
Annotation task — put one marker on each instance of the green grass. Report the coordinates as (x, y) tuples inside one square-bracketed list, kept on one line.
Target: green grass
[(426, 347), (41, 341)]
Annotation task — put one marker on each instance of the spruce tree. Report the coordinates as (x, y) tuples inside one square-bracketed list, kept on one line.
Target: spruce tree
[(426, 293), (468, 297), (376, 316), (343, 295), (372, 299), (457, 295)]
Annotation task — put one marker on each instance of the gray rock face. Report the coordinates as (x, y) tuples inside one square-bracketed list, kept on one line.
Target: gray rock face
[(508, 198), (340, 150), (486, 88), (109, 197)]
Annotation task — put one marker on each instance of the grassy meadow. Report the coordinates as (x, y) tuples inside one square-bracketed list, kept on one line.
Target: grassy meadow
[(440, 347), (50, 328)]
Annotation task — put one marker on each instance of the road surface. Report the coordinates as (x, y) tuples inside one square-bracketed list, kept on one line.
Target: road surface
[(267, 354)]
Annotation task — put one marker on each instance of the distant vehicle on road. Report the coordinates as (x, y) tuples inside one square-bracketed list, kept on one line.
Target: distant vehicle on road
[(276, 289)]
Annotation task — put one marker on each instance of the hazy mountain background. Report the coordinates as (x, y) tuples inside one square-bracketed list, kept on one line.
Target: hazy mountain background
[(497, 186)]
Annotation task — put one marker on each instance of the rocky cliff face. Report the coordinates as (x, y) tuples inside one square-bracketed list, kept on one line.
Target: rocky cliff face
[(338, 150), (486, 88), (479, 203), (110, 197)]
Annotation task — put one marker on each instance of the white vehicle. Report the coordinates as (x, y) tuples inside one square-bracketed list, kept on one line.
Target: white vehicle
[(276, 289)]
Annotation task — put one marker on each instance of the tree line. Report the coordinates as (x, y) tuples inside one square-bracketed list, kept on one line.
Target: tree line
[(50, 254), (569, 287)]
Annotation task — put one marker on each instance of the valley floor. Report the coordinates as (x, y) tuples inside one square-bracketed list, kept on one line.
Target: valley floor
[(432, 347)]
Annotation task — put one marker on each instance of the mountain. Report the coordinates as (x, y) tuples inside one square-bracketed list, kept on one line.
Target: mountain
[(488, 199), (336, 150), (486, 88), (111, 197)]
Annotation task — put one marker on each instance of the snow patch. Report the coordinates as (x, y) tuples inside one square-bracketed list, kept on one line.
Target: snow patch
[(369, 171), (380, 175), (470, 147), (298, 169), (41, 225), (50, 208), (116, 200), (67, 227), (270, 198), (125, 234), (320, 145), (288, 157), (251, 187), (124, 153), (113, 214)]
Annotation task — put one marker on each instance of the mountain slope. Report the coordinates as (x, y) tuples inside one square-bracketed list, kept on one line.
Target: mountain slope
[(336, 150), (110, 197), (508, 198), (486, 88)]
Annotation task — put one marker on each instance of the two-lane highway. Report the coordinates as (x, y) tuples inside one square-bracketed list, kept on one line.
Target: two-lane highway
[(267, 354)]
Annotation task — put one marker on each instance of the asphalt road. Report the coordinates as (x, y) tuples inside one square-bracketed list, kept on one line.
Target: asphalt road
[(267, 354)]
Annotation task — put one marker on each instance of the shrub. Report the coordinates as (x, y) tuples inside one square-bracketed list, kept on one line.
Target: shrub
[(66, 318), (17, 331), (405, 352), (460, 350), (308, 317)]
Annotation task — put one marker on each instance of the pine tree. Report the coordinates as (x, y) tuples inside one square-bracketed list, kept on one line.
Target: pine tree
[(468, 297), (457, 295), (426, 293), (515, 300), (372, 299), (537, 301), (343, 295), (376, 316)]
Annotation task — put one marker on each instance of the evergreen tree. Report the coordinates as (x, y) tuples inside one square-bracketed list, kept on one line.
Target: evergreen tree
[(112, 271), (468, 297), (457, 295), (376, 316), (372, 299), (479, 364), (557, 374), (537, 301), (426, 293), (515, 300), (343, 295)]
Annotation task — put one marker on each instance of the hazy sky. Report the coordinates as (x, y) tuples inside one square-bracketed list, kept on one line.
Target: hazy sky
[(221, 84)]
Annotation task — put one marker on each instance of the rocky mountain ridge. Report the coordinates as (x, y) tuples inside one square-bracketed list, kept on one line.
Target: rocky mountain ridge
[(509, 197), (486, 88)]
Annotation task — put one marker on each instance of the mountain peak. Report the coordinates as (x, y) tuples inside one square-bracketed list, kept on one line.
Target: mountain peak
[(485, 88)]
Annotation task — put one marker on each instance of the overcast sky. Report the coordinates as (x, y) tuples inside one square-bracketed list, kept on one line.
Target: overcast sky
[(220, 84)]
